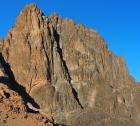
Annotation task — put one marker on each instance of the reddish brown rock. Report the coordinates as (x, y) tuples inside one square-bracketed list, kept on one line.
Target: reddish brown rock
[(36, 63), (69, 70), (13, 110)]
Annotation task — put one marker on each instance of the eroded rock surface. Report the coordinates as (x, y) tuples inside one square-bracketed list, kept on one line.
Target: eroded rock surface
[(69, 71), (29, 48)]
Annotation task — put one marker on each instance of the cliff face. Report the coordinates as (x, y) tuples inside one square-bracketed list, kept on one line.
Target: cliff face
[(68, 70), (30, 50)]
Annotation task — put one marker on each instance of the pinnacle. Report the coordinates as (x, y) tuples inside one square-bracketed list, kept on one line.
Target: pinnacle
[(31, 8)]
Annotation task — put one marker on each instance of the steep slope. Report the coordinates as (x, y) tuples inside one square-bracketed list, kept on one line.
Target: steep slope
[(29, 50), (68, 70)]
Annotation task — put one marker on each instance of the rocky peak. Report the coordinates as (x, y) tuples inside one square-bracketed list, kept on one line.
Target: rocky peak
[(35, 57), (67, 68), (29, 17)]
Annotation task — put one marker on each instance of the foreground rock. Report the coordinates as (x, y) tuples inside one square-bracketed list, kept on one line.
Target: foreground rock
[(69, 71), (13, 110)]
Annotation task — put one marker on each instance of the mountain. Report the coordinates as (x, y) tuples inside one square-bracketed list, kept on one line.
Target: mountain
[(68, 72)]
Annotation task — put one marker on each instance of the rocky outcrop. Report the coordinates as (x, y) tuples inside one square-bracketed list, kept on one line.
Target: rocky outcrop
[(13, 110), (69, 70), (30, 50)]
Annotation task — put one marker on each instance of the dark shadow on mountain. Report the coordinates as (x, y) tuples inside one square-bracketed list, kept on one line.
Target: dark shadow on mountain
[(13, 84), (67, 74)]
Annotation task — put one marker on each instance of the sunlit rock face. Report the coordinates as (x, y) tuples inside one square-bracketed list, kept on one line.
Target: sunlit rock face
[(68, 70)]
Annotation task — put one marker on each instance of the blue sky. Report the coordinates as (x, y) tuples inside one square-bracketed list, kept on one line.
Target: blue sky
[(118, 21)]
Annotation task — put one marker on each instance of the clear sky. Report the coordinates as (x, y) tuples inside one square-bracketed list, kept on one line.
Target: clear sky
[(118, 21)]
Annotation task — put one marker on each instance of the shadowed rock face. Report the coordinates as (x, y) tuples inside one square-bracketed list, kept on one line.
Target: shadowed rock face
[(68, 69), (37, 64)]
